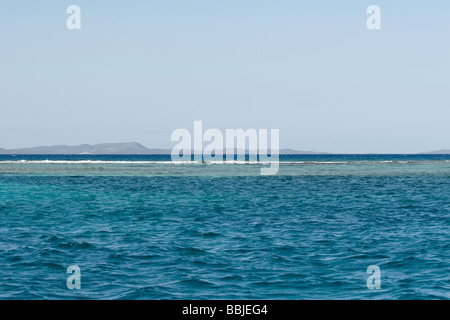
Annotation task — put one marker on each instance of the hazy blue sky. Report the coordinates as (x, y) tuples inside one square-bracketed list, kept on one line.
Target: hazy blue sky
[(137, 70)]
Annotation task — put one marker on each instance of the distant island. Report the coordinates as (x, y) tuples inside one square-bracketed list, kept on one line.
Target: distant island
[(132, 148), (103, 148), (135, 148), (443, 151)]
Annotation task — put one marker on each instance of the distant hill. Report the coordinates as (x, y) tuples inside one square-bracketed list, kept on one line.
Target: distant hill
[(443, 151), (104, 148), (112, 148), (291, 151)]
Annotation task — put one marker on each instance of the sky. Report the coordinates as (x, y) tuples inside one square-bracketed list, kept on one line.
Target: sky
[(138, 70)]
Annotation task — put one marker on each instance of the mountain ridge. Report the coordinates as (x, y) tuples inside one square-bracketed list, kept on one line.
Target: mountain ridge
[(135, 148), (442, 151), (132, 148)]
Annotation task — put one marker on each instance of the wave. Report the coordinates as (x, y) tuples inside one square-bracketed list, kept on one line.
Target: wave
[(82, 162), (368, 162), (96, 162)]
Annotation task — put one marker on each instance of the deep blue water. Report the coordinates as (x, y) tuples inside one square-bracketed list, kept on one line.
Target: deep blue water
[(283, 157), (142, 228)]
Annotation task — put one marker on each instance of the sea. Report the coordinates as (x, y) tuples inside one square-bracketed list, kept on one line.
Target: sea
[(143, 227)]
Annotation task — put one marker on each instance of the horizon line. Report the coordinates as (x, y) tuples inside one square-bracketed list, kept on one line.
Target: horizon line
[(163, 151)]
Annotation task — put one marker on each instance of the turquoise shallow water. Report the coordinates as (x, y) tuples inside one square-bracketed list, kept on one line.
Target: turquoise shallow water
[(140, 227)]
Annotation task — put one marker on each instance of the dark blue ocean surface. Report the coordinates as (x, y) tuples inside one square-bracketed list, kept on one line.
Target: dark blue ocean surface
[(283, 157), (140, 227)]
